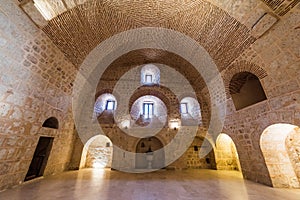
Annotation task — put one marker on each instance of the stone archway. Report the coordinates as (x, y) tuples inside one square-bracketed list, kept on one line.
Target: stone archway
[(97, 153), (280, 145), (149, 146), (226, 154)]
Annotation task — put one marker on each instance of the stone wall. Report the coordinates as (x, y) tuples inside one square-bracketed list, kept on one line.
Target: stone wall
[(99, 153), (279, 153), (193, 158), (277, 53), (35, 84), (226, 154), (293, 148), (36, 78)]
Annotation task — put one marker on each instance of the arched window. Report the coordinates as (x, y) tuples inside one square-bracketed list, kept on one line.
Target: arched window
[(190, 111), (245, 90), (105, 102), (148, 106), (150, 74), (51, 122)]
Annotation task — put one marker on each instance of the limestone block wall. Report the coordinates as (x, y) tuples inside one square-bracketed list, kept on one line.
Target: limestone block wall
[(99, 154), (293, 149), (274, 51), (226, 154), (278, 150), (35, 84), (193, 158), (76, 152), (277, 53)]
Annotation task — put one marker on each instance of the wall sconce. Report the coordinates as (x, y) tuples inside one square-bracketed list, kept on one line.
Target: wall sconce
[(174, 124), (125, 124)]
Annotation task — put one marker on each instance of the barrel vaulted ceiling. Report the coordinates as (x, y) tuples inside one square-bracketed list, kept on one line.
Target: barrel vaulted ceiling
[(80, 29), (78, 26)]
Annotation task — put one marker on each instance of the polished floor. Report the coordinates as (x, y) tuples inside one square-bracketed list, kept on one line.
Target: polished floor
[(161, 185)]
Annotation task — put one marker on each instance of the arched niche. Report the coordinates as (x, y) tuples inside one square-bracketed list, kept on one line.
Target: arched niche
[(280, 145), (105, 102), (226, 154), (149, 146), (150, 75), (190, 111), (148, 109), (97, 153), (245, 90), (51, 122), (193, 158)]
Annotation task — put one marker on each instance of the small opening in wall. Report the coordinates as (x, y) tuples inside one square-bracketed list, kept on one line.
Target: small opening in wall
[(207, 160), (195, 148), (148, 109), (245, 90), (51, 122), (183, 108), (110, 105), (148, 78)]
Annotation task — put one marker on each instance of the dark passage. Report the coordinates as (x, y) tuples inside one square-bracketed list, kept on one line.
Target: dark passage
[(40, 158)]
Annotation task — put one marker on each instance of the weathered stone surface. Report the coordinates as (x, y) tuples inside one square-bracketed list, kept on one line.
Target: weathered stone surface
[(24, 86), (37, 75)]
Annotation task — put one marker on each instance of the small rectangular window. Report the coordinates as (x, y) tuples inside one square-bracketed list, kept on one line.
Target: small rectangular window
[(110, 105), (183, 108), (148, 110), (195, 148), (148, 78)]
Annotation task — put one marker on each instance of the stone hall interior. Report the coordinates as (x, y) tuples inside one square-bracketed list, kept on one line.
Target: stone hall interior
[(149, 99)]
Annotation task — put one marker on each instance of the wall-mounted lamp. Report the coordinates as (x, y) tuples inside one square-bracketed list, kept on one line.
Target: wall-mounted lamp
[(174, 124), (125, 124)]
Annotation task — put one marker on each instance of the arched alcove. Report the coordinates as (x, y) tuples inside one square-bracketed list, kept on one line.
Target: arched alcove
[(97, 153), (190, 111), (149, 146), (150, 74), (245, 90), (51, 122), (105, 102), (147, 110), (193, 158), (280, 146), (226, 154)]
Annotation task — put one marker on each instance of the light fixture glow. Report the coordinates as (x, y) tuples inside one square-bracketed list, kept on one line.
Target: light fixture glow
[(174, 124)]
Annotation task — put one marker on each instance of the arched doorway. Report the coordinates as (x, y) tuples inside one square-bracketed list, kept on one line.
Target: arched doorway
[(226, 154), (97, 153), (149, 146), (280, 145)]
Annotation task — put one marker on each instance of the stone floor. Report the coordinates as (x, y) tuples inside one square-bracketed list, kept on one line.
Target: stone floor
[(113, 185)]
